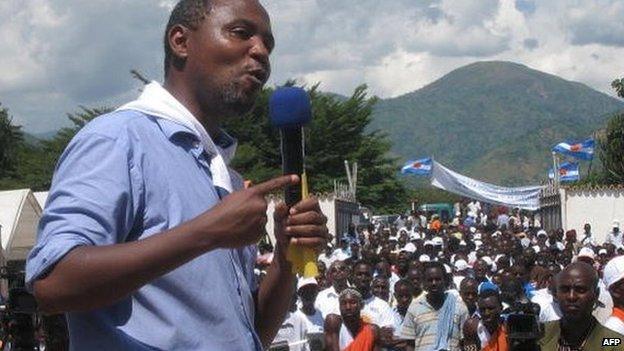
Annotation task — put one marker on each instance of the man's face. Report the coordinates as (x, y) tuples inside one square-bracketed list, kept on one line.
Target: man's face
[(520, 273), (402, 258), (434, 281), (308, 293), (339, 272), (468, 293), (350, 306), (490, 309), (617, 293), (403, 296), (415, 276), (480, 270), (543, 259), (362, 277), (575, 294), (355, 249), (228, 56), (381, 288), (587, 228)]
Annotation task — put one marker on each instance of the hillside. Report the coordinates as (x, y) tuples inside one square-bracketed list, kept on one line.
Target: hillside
[(495, 121)]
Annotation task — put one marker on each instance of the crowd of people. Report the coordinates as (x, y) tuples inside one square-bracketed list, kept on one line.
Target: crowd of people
[(486, 279)]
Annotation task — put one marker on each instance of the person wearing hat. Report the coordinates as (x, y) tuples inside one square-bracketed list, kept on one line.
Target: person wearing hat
[(461, 271), (613, 277), (329, 255), (307, 290), (614, 236)]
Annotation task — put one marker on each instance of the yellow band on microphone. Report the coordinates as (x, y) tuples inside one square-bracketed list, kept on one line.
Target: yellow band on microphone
[(303, 258)]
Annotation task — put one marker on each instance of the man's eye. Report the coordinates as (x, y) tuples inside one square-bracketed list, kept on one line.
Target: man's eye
[(242, 33)]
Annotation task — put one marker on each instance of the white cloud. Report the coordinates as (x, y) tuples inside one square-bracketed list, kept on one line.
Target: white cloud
[(59, 54)]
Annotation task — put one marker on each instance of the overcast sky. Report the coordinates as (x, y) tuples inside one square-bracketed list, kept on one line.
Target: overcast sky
[(56, 55)]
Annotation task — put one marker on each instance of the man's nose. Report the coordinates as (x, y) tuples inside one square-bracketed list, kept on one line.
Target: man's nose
[(259, 51), (572, 295)]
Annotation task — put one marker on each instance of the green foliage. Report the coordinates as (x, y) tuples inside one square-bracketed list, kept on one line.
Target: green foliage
[(337, 133), (611, 151), (618, 85), (494, 121), (34, 162), (11, 137)]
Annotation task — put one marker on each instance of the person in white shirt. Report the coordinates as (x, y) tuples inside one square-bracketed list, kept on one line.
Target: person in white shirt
[(474, 206), (381, 287), (613, 278), (615, 236), (329, 255), (292, 330), (327, 300), (307, 290), (374, 310), (588, 238)]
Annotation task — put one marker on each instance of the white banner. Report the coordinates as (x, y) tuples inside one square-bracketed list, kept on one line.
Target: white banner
[(526, 197)]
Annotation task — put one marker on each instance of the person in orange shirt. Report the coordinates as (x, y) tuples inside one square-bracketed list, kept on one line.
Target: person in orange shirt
[(488, 333), (348, 332), (435, 224)]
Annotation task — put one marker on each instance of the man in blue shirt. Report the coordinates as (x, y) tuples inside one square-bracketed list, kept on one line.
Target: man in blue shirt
[(147, 241)]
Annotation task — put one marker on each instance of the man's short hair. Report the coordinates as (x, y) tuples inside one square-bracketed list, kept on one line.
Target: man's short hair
[(350, 291), (434, 265), (189, 13), (363, 262), (490, 293), (404, 282)]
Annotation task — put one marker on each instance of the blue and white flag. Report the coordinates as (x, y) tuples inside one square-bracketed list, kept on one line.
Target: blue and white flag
[(418, 167), (568, 172), (583, 150)]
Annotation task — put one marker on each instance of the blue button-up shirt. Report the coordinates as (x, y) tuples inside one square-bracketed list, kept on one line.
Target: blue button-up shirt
[(124, 177)]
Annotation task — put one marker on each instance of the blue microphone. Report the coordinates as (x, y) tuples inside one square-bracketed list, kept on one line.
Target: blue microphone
[(289, 110)]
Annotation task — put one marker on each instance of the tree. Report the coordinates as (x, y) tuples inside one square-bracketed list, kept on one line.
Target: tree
[(618, 85), (337, 133), (611, 150), (11, 137), (36, 161)]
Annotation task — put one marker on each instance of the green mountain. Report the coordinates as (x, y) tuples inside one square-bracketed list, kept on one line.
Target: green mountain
[(494, 121)]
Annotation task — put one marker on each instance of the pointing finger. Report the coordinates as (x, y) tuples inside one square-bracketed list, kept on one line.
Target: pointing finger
[(275, 183)]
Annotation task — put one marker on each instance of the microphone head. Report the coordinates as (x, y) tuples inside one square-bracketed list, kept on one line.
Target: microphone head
[(289, 107)]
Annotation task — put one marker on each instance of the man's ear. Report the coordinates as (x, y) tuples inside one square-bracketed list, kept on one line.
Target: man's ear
[(178, 37)]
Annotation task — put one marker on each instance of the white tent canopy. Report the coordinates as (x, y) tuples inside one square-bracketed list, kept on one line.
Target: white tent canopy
[(19, 216)]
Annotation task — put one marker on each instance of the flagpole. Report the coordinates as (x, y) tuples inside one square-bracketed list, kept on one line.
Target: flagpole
[(592, 159), (555, 170)]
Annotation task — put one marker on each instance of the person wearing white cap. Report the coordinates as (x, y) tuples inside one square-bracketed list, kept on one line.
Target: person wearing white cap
[(615, 236), (329, 255), (461, 271), (613, 277), (307, 290)]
